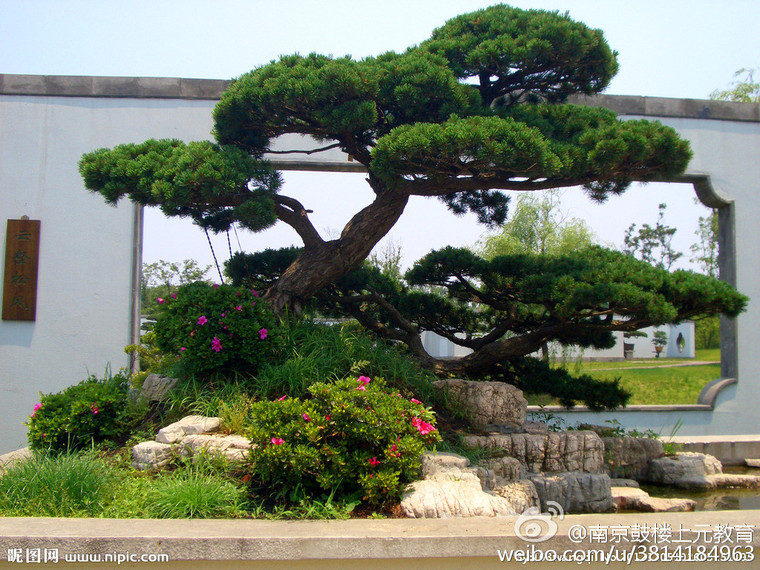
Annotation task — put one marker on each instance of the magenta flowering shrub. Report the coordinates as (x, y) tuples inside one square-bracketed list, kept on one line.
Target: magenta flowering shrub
[(353, 438), (217, 328), (92, 411)]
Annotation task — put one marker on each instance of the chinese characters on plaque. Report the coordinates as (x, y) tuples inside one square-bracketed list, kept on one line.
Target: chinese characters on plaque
[(22, 247)]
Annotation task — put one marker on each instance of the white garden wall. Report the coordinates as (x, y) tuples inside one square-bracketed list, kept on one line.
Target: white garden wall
[(90, 252)]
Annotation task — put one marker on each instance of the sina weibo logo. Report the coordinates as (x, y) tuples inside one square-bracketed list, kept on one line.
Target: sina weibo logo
[(535, 526)]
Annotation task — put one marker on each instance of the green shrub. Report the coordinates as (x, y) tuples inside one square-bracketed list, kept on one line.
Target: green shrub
[(351, 439), (64, 485), (92, 411), (217, 328)]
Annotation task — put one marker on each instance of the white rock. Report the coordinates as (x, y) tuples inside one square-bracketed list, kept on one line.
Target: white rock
[(152, 455), (188, 425)]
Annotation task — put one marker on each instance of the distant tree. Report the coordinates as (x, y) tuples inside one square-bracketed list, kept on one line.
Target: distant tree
[(162, 278), (478, 108), (652, 244), (538, 225), (388, 260), (705, 249), (743, 90)]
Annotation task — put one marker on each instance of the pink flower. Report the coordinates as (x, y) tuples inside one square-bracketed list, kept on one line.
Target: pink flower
[(277, 441), (263, 333), (306, 417), (202, 320), (415, 401), (174, 295), (361, 388), (182, 349), (373, 461), (160, 301), (239, 308), (423, 427), (363, 380), (224, 315), (255, 293), (328, 417), (282, 398), (36, 407), (216, 286), (94, 408), (216, 344)]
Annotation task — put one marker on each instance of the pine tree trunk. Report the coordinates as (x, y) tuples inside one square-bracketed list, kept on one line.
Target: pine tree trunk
[(324, 262)]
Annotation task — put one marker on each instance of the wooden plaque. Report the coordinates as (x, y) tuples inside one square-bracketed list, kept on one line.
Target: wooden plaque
[(22, 249)]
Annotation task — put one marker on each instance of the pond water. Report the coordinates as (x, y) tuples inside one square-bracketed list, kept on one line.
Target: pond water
[(723, 499)]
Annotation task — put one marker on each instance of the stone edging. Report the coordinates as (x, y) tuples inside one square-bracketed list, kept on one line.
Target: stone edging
[(211, 89), (351, 540)]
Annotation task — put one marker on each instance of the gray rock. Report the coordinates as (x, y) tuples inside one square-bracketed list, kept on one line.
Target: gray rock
[(735, 480), (152, 455), (506, 468), (624, 483), (486, 403), (626, 498), (752, 462), (685, 470), (451, 489), (8, 459), (188, 425), (552, 452), (575, 492), (629, 457), (156, 387), (233, 447), (522, 495)]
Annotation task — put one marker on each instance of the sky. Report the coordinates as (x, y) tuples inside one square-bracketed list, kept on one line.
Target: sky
[(667, 48)]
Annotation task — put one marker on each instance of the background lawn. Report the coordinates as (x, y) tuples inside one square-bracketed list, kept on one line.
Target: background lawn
[(660, 384)]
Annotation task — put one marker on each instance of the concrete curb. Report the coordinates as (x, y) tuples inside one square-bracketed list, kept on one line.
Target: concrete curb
[(351, 543)]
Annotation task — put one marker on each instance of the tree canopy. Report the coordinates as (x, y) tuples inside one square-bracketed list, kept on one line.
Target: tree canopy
[(478, 108)]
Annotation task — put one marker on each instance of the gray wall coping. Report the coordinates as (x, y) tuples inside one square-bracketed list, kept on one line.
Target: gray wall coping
[(347, 540), (211, 89)]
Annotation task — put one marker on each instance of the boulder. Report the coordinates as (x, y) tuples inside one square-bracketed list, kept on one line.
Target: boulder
[(486, 404), (522, 495), (685, 470), (188, 425), (8, 459), (152, 455), (551, 452), (575, 492), (232, 447), (629, 457), (451, 489), (755, 463), (630, 499), (156, 387)]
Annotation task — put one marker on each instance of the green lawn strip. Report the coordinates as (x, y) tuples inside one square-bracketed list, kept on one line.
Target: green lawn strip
[(653, 386)]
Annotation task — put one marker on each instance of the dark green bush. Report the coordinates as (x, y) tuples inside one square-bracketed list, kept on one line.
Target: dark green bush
[(352, 439), (214, 328), (92, 411)]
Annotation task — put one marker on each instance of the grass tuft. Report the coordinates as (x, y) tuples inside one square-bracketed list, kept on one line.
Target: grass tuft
[(66, 485)]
